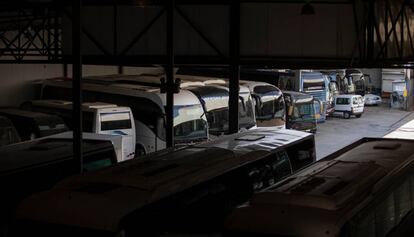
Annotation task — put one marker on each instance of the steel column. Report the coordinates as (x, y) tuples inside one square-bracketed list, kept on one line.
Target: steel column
[(234, 77), (169, 70), (370, 31), (76, 84)]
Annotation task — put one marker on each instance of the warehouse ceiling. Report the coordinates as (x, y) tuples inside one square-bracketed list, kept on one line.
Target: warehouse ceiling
[(279, 33)]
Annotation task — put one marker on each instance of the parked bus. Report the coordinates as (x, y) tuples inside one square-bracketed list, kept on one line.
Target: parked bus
[(300, 113), (147, 108), (36, 165), (31, 125), (247, 117), (183, 191), (98, 117), (347, 81), (218, 119), (190, 122), (269, 104), (362, 190), (8, 133), (318, 85), (215, 101)]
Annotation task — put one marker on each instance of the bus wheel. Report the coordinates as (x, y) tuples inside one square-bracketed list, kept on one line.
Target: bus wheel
[(139, 151), (358, 115), (347, 115)]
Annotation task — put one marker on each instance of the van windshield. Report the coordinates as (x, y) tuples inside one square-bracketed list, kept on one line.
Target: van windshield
[(357, 100), (342, 101)]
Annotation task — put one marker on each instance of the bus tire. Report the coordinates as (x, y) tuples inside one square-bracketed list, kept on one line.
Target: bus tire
[(139, 151), (347, 115), (358, 115)]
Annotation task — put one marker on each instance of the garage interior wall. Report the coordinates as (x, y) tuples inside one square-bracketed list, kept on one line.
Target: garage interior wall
[(18, 80)]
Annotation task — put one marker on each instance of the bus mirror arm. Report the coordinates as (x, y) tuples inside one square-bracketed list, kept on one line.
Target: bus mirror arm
[(243, 104)]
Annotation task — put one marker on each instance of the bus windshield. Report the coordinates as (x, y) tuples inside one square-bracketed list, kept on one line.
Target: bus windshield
[(218, 121), (312, 85), (115, 121), (189, 124), (272, 104), (303, 111)]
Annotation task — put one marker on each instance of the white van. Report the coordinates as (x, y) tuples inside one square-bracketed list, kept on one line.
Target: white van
[(98, 117), (349, 105)]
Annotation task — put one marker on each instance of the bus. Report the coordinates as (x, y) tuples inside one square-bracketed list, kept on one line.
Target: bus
[(346, 81), (36, 165), (219, 98), (268, 103), (31, 125), (300, 113), (98, 117), (190, 122), (318, 85), (362, 190), (147, 108), (215, 101), (182, 191)]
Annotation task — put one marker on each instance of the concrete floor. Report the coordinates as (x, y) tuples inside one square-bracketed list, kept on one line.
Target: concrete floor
[(376, 121)]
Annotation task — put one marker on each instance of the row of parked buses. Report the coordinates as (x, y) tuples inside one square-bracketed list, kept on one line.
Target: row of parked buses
[(260, 182), (201, 104), (200, 108)]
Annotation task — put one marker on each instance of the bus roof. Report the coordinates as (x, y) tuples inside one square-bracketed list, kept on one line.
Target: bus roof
[(299, 96), (103, 88), (22, 156), (263, 139), (64, 104), (26, 114), (133, 184), (318, 200)]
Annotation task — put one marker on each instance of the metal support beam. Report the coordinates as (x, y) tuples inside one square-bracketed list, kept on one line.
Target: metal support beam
[(199, 32), (77, 84), (370, 31), (142, 32), (234, 77), (169, 68)]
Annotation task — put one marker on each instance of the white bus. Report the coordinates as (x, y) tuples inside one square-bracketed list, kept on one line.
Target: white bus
[(101, 118), (190, 122), (214, 95), (363, 190), (147, 108), (269, 104), (182, 191)]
